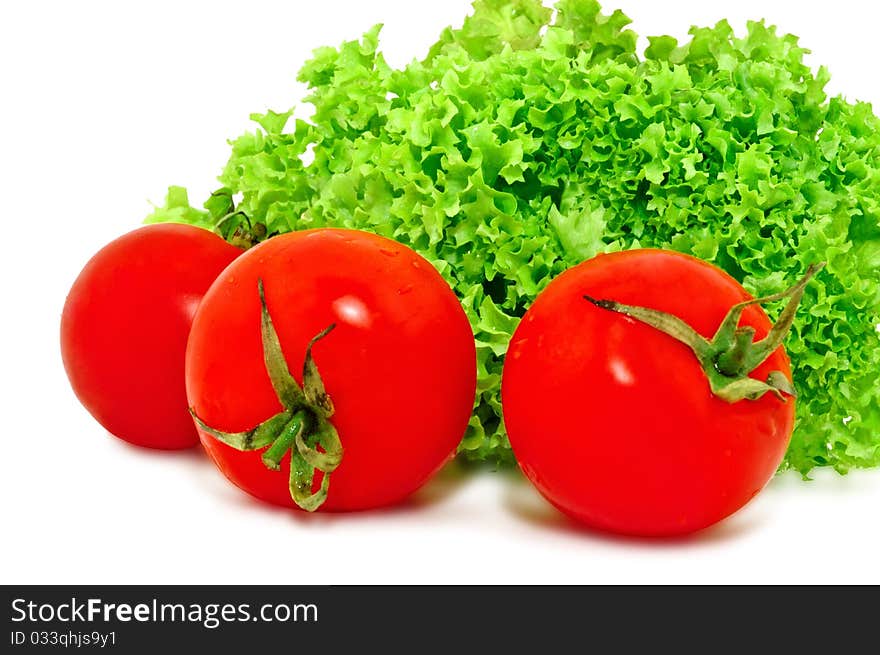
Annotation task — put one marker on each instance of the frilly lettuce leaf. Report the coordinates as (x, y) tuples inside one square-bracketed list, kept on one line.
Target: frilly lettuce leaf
[(519, 147)]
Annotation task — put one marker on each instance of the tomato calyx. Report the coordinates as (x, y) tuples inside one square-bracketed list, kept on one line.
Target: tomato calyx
[(234, 225), (300, 428), (236, 228), (729, 357)]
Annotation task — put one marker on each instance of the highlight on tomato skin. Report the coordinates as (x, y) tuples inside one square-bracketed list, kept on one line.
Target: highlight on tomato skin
[(124, 329), (615, 422), (398, 367)]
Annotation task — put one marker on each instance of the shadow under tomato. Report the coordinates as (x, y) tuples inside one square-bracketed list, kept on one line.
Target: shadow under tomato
[(194, 453), (525, 503), (445, 484)]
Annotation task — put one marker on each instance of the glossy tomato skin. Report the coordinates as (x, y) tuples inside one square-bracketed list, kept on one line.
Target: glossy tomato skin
[(614, 421), (400, 366), (125, 325)]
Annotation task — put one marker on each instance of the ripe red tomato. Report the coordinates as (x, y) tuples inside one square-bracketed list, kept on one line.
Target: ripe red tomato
[(399, 366), (124, 329), (614, 420)]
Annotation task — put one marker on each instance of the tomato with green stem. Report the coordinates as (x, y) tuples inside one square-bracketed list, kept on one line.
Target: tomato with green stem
[(326, 354), (646, 393)]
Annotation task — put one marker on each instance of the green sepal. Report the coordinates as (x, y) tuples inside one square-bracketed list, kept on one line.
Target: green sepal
[(326, 435), (315, 394), (747, 388), (301, 477), (286, 388), (737, 352), (259, 437), (663, 321)]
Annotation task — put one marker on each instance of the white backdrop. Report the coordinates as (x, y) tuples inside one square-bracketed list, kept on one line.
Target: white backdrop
[(102, 105)]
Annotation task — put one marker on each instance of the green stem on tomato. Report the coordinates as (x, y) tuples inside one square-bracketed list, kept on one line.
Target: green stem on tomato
[(297, 429), (289, 434), (732, 354)]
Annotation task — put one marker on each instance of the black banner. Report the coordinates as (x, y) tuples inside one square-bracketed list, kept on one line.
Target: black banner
[(418, 619)]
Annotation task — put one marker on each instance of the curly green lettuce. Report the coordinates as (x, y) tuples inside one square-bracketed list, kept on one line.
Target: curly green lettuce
[(526, 142)]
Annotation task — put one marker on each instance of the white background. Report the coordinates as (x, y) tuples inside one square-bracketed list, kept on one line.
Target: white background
[(102, 105)]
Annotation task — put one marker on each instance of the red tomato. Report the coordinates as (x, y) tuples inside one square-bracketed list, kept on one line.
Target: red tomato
[(614, 421), (399, 367), (124, 329)]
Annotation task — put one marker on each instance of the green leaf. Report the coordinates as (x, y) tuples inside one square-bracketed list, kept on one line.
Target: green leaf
[(272, 122), (178, 210)]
